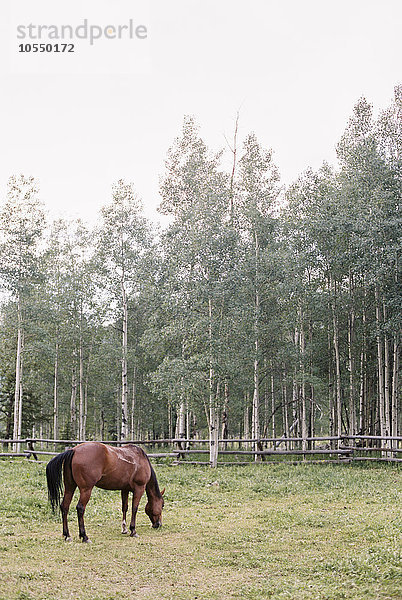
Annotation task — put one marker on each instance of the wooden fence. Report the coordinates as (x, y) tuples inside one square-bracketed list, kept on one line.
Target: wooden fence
[(333, 449)]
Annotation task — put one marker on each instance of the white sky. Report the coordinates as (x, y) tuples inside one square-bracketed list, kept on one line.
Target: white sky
[(294, 68)]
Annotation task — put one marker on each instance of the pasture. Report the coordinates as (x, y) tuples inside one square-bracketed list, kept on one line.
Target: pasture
[(322, 532)]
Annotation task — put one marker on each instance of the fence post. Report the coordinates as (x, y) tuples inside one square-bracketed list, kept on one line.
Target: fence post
[(30, 445)]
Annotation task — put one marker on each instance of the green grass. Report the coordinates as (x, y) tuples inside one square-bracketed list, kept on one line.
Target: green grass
[(268, 531)]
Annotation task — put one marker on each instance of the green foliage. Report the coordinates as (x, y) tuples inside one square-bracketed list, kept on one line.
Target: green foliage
[(249, 288), (21, 227)]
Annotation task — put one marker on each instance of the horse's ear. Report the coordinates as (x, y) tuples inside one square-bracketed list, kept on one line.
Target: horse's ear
[(163, 491)]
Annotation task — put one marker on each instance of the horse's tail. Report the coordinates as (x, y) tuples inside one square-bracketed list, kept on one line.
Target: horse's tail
[(54, 479)]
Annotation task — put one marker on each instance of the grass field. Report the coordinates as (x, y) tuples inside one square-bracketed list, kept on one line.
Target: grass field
[(270, 531)]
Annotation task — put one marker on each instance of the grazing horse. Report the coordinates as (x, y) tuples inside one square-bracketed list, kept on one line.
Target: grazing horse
[(93, 464)]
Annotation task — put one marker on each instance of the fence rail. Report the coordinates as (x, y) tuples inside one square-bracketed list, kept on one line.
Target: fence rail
[(346, 448)]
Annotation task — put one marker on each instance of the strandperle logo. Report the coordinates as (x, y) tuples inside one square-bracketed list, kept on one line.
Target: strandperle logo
[(84, 31)]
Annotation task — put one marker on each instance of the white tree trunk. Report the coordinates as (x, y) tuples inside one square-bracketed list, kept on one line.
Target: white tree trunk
[(225, 424), (181, 420), (18, 383), (351, 362), (352, 407), (124, 382), (81, 388), (73, 398), (55, 395), (295, 390), (170, 420), (394, 398), (303, 386), (380, 365), (255, 419), (395, 378), (19, 430), (213, 434), (273, 402), (363, 363), (337, 365), (133, 407), (246, 419), (387, 377), (285, 414), (188, 426), (213, 409)]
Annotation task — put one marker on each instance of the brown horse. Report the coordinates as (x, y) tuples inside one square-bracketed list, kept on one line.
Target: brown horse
[(93, 464)]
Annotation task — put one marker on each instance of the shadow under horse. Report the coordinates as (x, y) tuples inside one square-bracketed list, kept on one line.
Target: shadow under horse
[(93, 464)]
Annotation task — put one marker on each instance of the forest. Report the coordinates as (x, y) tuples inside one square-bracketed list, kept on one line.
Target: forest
[(258, 311)]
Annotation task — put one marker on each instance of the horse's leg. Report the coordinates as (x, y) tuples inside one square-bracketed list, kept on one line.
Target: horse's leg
[(64, 507), (69, 489), (85, 495), (137, 494), (124, 508)]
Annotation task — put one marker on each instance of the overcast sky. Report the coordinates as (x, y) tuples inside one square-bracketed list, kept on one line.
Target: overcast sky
[(294, 69)]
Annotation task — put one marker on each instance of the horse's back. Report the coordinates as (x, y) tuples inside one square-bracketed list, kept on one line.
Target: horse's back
[(96, 464)]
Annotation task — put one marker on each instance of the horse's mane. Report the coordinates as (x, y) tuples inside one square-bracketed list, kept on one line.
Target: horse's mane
[(153, 482)]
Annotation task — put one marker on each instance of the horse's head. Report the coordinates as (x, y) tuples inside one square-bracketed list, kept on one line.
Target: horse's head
[(154, 508)]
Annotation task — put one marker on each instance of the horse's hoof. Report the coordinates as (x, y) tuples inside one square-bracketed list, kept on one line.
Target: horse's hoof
[(134, 534), (68, 539), (87, 541)]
